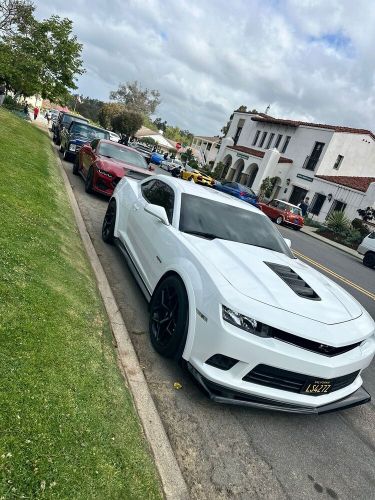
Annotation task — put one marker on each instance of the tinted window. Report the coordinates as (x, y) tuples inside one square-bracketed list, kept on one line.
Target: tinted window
[(94, 143), (66, 119), (158, 193), (211, 219), (121, 153), (87, 131)]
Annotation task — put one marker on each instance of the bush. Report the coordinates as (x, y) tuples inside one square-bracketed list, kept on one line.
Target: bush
[(338, 223), (353, 237), (148, 140), (361, 227), (12, 104), (308, 221)]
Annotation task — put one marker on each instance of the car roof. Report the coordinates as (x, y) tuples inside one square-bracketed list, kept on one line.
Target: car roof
[(286, 203), (206, 192)]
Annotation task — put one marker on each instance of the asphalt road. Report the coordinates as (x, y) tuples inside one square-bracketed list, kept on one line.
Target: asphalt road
[(232, 452)]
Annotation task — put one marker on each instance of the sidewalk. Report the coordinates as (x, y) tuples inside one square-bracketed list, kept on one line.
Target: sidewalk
[(311, 231)]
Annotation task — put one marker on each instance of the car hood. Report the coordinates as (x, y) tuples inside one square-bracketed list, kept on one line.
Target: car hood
[(78, 139), (245, 268), (120, 168)]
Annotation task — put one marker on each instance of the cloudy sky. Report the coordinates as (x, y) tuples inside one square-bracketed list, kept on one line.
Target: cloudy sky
[(308, 59)]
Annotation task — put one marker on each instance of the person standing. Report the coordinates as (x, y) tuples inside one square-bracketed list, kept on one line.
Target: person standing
[(26, 108), (36, 112), (304, 206), (3, 90), (48, 117)]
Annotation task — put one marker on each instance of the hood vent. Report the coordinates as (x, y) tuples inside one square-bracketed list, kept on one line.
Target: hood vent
[(295, 282)]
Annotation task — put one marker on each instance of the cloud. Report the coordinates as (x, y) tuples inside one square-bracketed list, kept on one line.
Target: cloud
[(310, 60)]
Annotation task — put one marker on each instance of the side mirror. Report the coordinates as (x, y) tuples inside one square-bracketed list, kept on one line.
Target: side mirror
[(158, 212), (288, 242)]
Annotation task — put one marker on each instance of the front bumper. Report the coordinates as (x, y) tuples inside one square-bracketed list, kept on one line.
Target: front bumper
[(221, 394)]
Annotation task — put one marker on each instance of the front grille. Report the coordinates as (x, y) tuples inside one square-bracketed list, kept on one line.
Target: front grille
[(290, 381), (294, 281), (310, 345)]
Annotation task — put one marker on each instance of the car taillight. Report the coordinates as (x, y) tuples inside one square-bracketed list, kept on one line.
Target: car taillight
[(242, 193), (199, 178), (213, 182)]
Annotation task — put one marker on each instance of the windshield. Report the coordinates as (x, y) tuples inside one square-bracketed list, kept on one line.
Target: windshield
[(239, 187), (212, 219), (293, 210), (122, 154), (87, 131), (66, 119)]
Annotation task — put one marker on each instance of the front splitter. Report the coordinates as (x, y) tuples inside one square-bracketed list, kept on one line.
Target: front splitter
[(221, 394)]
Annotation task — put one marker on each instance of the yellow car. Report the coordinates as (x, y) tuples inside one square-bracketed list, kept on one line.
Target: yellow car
[(191, 174)]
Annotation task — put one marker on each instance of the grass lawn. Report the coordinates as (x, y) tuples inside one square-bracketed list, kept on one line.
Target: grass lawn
[(68, 428)]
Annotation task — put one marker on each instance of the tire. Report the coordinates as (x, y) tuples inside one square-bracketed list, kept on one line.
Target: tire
[(169, 317), (61, 148), (76, 165), (109, 221), (369, 259), (279, 220), (66, 155), (88, 181)]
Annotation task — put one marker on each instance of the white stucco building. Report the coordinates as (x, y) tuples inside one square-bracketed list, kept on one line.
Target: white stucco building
[(321, 162), (205, 148)]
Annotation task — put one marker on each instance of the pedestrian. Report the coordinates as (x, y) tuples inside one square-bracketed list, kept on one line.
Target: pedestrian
[(304, 205), (48, 117), (124, 140), (26, 108), (165, 156), (154, 149), (36, 112), (3, 89)]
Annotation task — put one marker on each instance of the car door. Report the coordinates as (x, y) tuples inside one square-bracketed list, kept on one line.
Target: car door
[(88, 155), (150, 239)]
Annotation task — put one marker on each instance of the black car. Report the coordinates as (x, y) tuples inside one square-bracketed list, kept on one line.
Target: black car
[(78, 133), (63, 121)]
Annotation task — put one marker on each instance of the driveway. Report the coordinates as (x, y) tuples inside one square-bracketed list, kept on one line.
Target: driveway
[(232, 452)]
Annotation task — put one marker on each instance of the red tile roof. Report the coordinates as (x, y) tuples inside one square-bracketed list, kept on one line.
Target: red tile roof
[(358, 183), (293, 123), (259, 154)]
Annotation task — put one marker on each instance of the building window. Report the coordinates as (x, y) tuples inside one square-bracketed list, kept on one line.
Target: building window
[(270, 141), (256, 137), (278, 140), (237, 136), (317, 203), (337, 206), (337, 165), (286, 142), (262, 139), (312, 160)]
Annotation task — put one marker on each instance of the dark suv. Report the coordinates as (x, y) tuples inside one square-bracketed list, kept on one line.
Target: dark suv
[(63, 121), (78, 133)]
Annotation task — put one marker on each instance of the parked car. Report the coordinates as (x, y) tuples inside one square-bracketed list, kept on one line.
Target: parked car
[(191, 174), (144, 151), (238, 190), (103, 163), (73, 138), (367, 249), (63, 121), (283, 212), (113, 136), (156, 158), (253, 324), (170, 164)]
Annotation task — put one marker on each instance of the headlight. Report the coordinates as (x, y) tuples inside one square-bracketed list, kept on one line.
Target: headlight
[(244, 322), (104, 172), (72, 147)]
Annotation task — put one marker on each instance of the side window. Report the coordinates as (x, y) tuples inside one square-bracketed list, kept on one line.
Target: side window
[(94, 143), (281, 206), (372, 236), (274, 203), (159, 193)]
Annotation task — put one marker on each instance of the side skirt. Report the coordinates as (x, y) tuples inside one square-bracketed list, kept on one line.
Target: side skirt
[(133, 269)]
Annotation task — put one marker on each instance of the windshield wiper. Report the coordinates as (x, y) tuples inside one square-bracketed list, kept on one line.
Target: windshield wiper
[(202, 234)]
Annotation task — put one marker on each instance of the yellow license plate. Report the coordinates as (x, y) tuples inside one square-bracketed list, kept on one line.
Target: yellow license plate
[(317, 387)]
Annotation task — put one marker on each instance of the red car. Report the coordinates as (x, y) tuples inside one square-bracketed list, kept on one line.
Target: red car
[(283, 212), (103, 163)]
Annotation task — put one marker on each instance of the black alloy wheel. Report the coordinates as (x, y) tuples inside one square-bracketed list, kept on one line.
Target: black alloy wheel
[(169, 317), (89, 180), (109, 221), (369, 259), (76, 165)]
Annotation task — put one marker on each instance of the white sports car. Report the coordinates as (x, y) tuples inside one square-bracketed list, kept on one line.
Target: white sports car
[(255, 325)]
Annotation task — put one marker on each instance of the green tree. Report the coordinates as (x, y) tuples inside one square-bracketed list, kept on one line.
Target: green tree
[(90, 108), (41, 57), (188, 156), (135, 98), (13, 14), (127, 122), (107, 112)]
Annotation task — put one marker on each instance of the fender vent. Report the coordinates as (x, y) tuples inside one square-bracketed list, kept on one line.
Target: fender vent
[(295, 282)]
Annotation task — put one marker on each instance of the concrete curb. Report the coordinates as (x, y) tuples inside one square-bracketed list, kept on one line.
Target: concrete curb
[(173, 483), (349, 251)]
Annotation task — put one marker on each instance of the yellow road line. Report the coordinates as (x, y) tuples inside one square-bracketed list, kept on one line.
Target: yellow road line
[(338, 276)]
